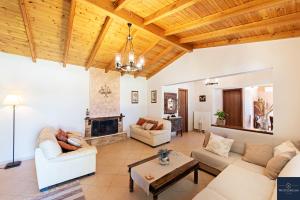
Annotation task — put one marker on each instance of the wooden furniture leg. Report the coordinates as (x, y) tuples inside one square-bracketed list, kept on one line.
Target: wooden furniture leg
[(130, 184), (196, 176)]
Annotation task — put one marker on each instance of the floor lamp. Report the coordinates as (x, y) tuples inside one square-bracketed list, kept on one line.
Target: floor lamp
[(13, 100)]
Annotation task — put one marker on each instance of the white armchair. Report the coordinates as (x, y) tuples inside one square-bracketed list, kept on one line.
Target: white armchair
[(53, 166)]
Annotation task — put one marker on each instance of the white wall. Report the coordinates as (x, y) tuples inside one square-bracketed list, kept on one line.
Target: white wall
[(52, 95), (131, 111), (281, 55)]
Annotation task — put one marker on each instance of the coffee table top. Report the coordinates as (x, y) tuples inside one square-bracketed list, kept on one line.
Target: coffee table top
[(171, 176)]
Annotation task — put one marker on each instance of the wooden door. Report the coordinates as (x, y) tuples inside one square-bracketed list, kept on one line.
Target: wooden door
[(183, 108), (233, 106)]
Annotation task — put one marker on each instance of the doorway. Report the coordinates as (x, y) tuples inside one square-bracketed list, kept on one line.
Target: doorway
[(183, 108), (233, 107)]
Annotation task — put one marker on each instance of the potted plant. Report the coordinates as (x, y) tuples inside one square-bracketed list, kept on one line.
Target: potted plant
[(221, 118)]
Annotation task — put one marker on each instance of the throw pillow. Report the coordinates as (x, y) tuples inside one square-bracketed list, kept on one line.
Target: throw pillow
[(155, 123), (258, 154), (74, 141), (147, 126), (276, 164), (287, 146), (159, 127), (67, 147), (206, 139), (62, 136), (141, 121), (219, 145)]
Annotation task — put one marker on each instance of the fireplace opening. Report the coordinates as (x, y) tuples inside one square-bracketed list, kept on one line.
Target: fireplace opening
[(103, 127)]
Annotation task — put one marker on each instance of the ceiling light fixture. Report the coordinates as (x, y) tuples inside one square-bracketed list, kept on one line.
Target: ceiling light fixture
[(125, 62)]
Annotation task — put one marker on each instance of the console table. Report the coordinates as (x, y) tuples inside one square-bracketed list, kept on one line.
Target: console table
[(176, 124)]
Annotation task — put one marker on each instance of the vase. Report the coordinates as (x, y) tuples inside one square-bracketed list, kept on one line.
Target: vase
[(221, 122)]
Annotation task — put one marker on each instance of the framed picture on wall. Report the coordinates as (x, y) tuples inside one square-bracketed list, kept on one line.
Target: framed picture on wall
[(154, 96), (202, 98), (134, 96), (170, 103)]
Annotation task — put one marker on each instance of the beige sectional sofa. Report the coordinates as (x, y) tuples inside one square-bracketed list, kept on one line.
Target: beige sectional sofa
[(238, 179), (152, 137)]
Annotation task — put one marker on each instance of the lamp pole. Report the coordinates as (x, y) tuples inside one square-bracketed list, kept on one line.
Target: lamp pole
[(14, 125)]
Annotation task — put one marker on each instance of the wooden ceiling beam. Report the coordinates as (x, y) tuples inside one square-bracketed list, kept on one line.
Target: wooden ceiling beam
[(223, 15), (69, 32), (119, 4), (99, 41), (148, 49), (272, 22), (265, 37), (156, 59), (112, 62), (28, 30), (165, 65), (107, 7), (169, 10)]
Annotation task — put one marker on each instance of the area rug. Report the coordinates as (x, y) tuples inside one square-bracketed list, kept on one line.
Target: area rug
[(70, 191)]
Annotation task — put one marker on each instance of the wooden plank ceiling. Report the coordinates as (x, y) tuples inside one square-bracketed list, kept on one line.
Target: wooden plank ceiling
[(90, 32)]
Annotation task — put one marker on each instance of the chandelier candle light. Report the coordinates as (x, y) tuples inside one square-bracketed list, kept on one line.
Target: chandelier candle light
[(125, 62)]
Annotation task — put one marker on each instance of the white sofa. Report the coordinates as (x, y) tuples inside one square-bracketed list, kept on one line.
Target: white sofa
[(53, 166), (239, 179), (152, 137)]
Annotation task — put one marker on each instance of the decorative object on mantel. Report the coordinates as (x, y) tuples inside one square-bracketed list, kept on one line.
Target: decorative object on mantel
[(125, 62), (202, 98), (87, 113), (134, 96), (221, 118), (13, 100), (170, 103), (209, 82), (164, 156), (105, 90), (154, 96)]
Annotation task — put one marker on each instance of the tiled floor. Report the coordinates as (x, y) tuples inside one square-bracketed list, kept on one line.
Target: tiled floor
[(111, 179)]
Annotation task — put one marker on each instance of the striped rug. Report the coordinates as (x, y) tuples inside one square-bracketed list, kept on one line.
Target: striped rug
[(70, 191)]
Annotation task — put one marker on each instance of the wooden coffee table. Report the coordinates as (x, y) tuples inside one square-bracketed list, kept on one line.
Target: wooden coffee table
[(161, 184)]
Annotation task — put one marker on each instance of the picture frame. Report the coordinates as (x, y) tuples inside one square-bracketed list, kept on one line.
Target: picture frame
[(170, 103), (202, 98), (134, 97), (154, 96)]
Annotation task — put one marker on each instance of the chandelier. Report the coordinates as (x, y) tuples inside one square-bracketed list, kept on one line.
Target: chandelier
[(125, 62)]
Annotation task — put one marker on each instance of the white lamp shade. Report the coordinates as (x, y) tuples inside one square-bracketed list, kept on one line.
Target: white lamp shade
[(12, 100)]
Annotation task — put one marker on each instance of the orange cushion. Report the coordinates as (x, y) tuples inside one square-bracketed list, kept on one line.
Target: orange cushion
[(141, 121), (154, 124), (67, 147), (159, 127), (62, 136)]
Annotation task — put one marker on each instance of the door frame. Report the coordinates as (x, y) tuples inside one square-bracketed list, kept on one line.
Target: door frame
[(186, 108), (241, 100)]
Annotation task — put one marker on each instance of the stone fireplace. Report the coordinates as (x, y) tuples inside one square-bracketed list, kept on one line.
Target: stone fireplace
[(104, 130)]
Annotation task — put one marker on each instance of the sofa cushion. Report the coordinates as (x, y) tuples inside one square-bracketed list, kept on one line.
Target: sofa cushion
[(286, 146), (219, 145), (50, 148), (258, 154), (249, 166), (236, 183), (141, 121), (214, 160), (276, 164)]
